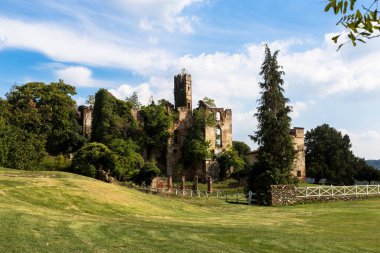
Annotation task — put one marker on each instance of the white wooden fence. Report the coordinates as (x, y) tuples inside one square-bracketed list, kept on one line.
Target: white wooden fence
[(337, 191)]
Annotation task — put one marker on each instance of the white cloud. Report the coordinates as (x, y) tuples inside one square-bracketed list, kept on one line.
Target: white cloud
[(67, 45), (224, 77), (164, 14), (244, 124), (143, 91), (78, 76), (327, 72), (365, 144), (299, 108)]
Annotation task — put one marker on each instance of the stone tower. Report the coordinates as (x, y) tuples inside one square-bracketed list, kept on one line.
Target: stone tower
[(182, 90), (299, 168)]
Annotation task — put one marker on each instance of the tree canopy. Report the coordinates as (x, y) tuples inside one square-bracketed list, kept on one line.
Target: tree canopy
[(276, 152), (157, 122), (195, 148), (360, 23), (48, 111), (112, 118), (241, 147), (329, 155), (230, 158), (20, 149), (365, 172)]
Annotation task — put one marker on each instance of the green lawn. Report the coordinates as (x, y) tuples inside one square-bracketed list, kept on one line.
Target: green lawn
[(61, 212)]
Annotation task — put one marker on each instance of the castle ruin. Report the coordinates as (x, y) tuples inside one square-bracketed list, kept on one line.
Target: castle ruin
[(219, 134)]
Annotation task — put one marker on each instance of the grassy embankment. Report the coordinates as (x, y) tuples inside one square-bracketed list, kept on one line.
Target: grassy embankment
[(61, 212)]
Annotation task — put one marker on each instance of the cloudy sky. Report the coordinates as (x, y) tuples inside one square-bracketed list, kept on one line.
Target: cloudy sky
[(139, 45)]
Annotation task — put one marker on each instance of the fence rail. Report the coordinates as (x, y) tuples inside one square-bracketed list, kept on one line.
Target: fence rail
[(337, 191), (232, 197)]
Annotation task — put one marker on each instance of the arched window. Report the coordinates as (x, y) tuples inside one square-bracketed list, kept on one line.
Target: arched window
[(217, 116), (218, 136)]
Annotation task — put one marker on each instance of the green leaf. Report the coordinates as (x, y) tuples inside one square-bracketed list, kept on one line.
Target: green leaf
[(352, 5), (335, 38), (339, 47), (365, 34), (345, 7), (338, 8), (359, 15), (327, 8)]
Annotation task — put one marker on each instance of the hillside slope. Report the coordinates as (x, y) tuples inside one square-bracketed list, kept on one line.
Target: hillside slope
[(61, 212)]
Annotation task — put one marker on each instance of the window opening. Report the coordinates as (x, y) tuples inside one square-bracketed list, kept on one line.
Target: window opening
[(218, 139)]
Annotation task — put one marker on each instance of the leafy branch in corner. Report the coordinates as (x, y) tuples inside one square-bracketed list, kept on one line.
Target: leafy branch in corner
[(361, 24)]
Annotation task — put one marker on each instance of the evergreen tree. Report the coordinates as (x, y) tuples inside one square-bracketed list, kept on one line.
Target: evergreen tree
[(276, 151)]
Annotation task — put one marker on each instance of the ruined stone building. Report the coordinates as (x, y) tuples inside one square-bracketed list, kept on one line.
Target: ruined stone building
[(219, 135), (299, 166)]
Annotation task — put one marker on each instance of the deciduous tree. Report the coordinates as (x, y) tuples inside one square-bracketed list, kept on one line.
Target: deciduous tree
[(48, 111), (329, 155)]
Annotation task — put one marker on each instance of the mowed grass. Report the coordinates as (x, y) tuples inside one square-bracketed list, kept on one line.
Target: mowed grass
[(61, 212)]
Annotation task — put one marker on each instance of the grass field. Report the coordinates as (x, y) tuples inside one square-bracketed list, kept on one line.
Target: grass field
[(61, 212)]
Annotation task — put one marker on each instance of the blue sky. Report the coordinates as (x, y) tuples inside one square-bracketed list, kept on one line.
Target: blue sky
[(130, 45)]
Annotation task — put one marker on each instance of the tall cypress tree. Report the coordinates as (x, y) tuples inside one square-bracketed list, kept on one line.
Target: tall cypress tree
[(276, 149)]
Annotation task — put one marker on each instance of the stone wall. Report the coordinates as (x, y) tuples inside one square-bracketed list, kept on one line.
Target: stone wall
[(223, 123), (283, 195), (86, 118), (286, 195), (175, 143)]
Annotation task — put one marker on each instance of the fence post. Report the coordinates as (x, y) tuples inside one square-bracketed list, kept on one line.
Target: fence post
[(306, 192), (332, 191), (319, 191), (356, 190), (191, 193), (367, 190), (378, 189), (344, 190)]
